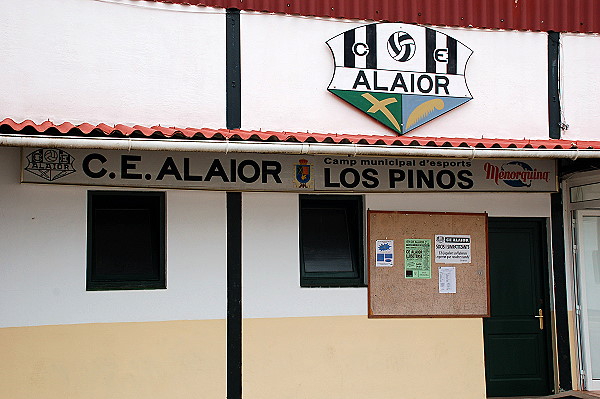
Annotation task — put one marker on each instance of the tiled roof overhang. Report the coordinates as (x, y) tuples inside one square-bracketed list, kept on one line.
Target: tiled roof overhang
[(581, 16), (30, 128)]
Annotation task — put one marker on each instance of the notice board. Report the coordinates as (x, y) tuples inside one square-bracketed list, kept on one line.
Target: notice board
[(428, 264)]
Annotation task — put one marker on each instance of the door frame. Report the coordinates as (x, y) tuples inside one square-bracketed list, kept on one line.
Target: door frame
[(570, 208), (582, 330), (546, 283)]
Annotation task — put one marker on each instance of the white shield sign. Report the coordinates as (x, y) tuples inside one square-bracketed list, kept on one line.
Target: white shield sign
[(402, 75)]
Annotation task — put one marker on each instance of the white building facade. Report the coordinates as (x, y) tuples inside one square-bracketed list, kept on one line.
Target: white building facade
[(222, 299)]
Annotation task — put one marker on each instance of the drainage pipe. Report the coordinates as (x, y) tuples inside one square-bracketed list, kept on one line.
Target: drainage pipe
[(226, 146)]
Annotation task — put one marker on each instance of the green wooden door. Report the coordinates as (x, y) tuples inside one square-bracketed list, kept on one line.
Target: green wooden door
[(516, 347)]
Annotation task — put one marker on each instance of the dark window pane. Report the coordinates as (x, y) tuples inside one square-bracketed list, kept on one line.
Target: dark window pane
[(331, 241), (123, 245), (125, 240), (326, 240)]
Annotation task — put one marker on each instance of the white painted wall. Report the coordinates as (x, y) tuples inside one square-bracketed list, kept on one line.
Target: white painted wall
[(494, 204), (43, 257), (271, 271), (271, 274), (135, 62), (113, 61), (580, 82), (286, 68), (43, 247)]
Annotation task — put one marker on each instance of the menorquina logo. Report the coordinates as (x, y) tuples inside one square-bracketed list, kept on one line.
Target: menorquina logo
[(49, 163), (402, 75), (514, 174)]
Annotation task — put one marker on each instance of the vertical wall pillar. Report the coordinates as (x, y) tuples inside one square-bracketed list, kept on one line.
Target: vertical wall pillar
[(233, 90), (234, 295), (234, 215), (554, 119), (560, 293), (558, 242)]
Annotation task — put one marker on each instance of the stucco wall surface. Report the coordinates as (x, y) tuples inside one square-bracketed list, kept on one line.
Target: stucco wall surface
[(287, 67), (151, 63), (579, 85), (44, 254), (130, 62), (180, 359), (43, 262), (298, 342), (320, 357), (356, 357), (271, 274)]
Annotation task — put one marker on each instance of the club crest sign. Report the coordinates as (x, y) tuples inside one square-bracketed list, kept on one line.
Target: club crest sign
[(402, 75)]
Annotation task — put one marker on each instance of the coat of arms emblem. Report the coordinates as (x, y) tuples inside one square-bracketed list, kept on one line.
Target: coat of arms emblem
[(303, 178), (402, 75)]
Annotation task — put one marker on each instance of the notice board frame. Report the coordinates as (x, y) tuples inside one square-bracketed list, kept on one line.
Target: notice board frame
[(391, 295)]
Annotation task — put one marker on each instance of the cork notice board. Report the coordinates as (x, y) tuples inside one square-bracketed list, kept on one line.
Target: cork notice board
[(428, 264)]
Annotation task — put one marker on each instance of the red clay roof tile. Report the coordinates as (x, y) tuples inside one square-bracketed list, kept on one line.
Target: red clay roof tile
[(28, 127)]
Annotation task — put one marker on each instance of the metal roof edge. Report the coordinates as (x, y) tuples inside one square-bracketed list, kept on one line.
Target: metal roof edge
[(581, 16)]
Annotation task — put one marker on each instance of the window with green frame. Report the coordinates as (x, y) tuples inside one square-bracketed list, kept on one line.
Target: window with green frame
[(331, 241), (126, 240)]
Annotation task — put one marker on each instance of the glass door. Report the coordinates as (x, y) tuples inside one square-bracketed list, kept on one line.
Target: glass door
[(588, 275)]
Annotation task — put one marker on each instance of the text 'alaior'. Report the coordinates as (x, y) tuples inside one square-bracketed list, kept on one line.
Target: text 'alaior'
[(402, 75)]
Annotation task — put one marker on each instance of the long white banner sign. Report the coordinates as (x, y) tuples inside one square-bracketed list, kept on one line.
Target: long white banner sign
[(264, 172)]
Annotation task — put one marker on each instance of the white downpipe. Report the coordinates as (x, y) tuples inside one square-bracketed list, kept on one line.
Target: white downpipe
[(227, 146)]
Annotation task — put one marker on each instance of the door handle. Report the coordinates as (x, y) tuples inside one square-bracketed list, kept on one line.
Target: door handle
[(540, 316)]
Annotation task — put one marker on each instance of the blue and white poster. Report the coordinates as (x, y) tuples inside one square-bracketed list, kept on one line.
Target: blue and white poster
[(384, 253)]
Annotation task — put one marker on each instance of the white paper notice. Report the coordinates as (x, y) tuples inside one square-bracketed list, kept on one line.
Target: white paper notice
[(384, 253), (452, 248), (447, 275)]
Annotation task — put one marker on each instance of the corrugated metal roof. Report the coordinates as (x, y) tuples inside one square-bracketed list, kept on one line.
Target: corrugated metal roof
[(8, 126), (536, 15)]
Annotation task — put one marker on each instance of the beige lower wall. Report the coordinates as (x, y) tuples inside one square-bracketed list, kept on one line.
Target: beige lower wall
[(357, 357), (304, 357), (175, 359)]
